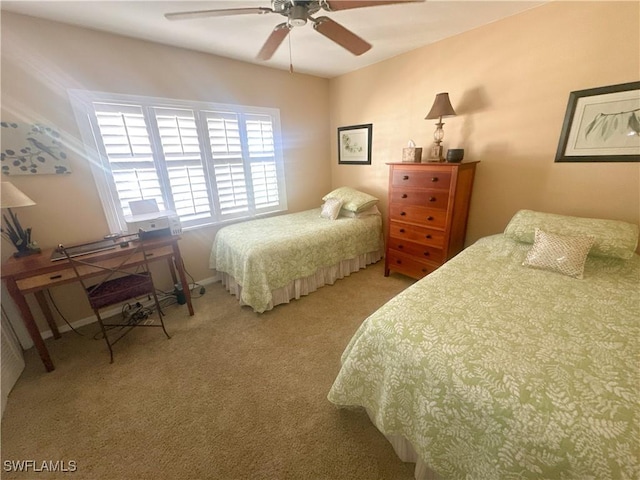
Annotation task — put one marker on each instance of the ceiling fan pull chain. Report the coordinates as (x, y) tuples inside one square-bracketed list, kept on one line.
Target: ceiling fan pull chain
[(290, 60)]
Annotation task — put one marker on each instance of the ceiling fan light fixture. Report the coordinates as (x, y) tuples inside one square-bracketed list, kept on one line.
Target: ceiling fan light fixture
[(298, 16)]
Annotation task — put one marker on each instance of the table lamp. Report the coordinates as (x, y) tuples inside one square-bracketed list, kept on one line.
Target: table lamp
[(441, 108), (11, 197)]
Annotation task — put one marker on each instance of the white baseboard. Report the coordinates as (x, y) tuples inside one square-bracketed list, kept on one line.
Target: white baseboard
[(209, 281)]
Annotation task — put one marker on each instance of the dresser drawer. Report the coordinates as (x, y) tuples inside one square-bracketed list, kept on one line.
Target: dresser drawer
[(426, 198), (426, 178), (408, 265), (424, 216), (423, 235), (417, 250)]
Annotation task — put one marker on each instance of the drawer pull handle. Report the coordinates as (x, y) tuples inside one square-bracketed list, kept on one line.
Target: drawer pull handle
[(402, 214), (398, 262), (434, 179), (428, 235), (426, 254), (404, 195), (429, 218), (432, 199), (400, 247), (405, 177), (402, 230)]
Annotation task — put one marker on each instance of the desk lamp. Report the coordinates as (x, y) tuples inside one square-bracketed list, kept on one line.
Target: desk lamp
[(441, 108), (11, 197)]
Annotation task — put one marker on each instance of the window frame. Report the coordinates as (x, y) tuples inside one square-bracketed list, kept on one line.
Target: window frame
[(83, 101)]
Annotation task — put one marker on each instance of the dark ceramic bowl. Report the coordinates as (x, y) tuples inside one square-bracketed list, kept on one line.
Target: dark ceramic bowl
[(455, 155)]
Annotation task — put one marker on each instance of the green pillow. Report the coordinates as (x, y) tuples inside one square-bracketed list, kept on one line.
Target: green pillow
[(352, 199), (612, 238)]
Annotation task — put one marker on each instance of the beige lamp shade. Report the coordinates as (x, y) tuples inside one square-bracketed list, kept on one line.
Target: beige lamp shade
[(11, 197), (441, 107)]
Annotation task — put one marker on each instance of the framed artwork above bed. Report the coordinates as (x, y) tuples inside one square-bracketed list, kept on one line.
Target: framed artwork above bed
[(354, 144), (602, 125)]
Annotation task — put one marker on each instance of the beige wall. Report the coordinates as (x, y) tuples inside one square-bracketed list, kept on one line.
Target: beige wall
[(42, 59), (509, 82)]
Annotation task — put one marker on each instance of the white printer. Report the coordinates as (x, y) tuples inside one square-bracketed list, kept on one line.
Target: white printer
[(154, 224), (149, 222)]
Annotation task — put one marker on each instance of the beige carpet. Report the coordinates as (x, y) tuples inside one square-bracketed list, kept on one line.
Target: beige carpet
[(233, 395)]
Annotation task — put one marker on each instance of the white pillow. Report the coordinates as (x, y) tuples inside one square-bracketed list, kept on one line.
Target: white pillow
[(559, 253), (331, 208)]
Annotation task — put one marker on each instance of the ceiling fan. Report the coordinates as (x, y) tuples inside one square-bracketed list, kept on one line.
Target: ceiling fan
[(297, 13)]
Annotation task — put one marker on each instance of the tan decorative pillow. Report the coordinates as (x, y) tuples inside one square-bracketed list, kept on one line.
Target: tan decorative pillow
[(331, 208), (559, 253)]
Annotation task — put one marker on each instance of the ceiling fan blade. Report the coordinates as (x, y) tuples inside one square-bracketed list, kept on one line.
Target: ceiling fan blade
[(216, 13), (335, 5), (343, 37), (277, 36)]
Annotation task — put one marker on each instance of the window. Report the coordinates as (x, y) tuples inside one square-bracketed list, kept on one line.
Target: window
[(207, 162)]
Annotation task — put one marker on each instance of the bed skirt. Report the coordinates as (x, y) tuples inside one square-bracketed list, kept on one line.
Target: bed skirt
[(405, 452), (306, 285)]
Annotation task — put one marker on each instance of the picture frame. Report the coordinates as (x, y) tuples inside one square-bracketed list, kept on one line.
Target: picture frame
[(354, 144), (602, 125)]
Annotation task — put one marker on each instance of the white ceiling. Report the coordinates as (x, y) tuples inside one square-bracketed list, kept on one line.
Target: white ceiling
[(391, 29)]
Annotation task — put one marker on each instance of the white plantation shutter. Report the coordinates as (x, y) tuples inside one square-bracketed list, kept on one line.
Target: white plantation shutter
[(207, 162), (262, 160), (244, 159), (229, 169), (128, 150), (186, 174)]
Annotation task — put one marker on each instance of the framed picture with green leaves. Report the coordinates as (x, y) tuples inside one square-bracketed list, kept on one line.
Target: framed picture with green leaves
[(354, 144), (602, 125)]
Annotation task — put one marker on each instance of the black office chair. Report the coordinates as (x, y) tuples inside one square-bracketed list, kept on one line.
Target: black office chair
[(117, 285)]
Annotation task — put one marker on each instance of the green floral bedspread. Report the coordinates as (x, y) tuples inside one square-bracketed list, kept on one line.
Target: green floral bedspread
[(493, 370), (266, 254)]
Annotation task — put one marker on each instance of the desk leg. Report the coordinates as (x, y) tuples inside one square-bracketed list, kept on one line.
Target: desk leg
[(172, 270), (177, 257), (30, 323), (44, 306)]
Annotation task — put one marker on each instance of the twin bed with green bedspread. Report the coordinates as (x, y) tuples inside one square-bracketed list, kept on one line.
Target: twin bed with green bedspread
[(489, 369), (269, 261)]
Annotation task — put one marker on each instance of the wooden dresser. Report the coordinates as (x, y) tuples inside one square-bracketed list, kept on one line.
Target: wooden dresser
[(428, 210)]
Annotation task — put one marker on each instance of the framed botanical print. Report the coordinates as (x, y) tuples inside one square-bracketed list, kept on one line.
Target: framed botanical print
[(354, 144), (602, 125)]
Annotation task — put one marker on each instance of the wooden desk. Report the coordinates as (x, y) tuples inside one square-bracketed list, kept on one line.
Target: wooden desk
[(37, 273)]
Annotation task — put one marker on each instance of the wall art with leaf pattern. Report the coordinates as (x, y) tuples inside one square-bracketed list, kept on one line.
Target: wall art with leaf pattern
[(29, 149), (354, 144), (602, 125)]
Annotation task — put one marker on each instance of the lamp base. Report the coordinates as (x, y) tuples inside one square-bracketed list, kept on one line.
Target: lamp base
[(26, 253), (435, 154)]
